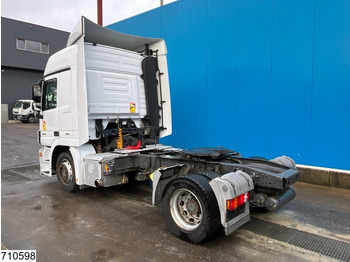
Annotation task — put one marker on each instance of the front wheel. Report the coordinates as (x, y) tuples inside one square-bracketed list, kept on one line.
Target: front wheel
[(66, 173), (190, 208), (31, 119)]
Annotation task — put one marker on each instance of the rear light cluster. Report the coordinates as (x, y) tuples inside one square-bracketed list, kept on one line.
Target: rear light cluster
[(235, 203)]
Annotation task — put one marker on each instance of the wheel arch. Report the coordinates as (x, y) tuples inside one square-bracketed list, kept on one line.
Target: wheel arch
[(56, 152), (78, 154), (161, 178)]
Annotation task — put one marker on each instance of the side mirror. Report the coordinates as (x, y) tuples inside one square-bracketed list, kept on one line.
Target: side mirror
[(37, 110), (36, 92)]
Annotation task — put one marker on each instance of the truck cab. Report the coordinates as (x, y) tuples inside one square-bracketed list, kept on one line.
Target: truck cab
[(25, 110), (102, 82)]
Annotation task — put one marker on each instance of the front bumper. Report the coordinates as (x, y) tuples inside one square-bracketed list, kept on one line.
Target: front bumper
[(20, 117)]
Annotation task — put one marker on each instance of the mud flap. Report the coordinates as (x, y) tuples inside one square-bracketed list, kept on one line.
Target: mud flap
[(228, 187)]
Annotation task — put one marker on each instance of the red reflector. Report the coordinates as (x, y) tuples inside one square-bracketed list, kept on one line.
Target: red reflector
[(235, 203), (240, 200)]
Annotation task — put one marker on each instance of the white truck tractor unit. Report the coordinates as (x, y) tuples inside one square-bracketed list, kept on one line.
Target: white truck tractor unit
[(25, 110), (105, 103)]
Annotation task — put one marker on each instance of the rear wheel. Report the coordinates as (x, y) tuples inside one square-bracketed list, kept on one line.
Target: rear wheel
[(285, 161), (190, 208), (209, 174), (66, 173)]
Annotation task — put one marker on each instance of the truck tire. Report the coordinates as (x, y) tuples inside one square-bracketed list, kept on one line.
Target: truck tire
[(31, 119), (190, 209), (66, 172), (285, 161), (258, 158), (208, 174)]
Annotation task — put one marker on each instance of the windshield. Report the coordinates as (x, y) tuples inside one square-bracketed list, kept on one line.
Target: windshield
[(18, 104)]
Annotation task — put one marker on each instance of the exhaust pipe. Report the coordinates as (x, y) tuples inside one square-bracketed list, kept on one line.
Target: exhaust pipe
[(98, 182), (275, 202), (99, 13)]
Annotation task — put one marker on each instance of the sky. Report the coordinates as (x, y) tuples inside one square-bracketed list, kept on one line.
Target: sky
[(64, 14)]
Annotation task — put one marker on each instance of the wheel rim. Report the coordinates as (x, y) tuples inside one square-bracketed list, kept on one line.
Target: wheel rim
[(65, 172), (186, 209)]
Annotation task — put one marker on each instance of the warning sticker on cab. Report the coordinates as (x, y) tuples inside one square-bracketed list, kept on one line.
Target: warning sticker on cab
[(44, 125), (132, 107)]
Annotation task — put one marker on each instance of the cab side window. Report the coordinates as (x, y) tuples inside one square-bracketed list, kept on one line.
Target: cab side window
[(26, 105), (49, 94)]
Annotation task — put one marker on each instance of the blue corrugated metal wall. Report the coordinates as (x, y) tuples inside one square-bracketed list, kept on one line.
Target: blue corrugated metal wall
[(263, 77)]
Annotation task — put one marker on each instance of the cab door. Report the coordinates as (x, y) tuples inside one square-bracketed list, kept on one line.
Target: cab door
[(49, 124)]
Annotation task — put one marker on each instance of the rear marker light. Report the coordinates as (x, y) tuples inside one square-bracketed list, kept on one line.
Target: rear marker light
[(235, 203), (108, 168)]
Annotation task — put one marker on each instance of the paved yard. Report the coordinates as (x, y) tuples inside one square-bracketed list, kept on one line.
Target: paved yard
[(120, 224)]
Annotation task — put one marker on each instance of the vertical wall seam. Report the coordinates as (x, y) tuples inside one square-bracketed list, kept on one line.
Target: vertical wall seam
[(207, 67), (236, 80), (312, 83), (182, 71), (270, 98)]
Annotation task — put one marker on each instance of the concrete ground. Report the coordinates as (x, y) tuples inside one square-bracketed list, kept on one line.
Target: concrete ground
[(120, 224)]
